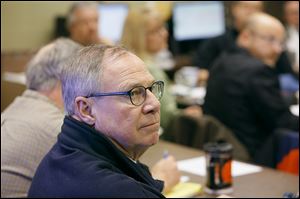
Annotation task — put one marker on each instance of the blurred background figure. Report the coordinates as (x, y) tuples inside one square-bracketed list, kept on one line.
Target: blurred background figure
[(289, 82), (31, 123), (291, 17), (82, 23), (243, 88), (145, 34)]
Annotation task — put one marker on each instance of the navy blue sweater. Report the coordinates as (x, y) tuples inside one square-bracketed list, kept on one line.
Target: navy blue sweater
[(84, 163)]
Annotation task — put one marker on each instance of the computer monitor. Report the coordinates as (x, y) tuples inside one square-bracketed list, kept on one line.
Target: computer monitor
[(112, 18), (198, 20)]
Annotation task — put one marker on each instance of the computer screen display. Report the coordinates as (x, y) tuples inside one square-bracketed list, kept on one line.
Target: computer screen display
[(112, 18), (198, 20)]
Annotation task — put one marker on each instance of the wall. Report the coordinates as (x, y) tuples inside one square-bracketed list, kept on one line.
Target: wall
[(28, 25)]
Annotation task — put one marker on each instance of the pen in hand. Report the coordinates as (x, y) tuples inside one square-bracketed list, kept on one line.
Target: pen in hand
[(165, 154)]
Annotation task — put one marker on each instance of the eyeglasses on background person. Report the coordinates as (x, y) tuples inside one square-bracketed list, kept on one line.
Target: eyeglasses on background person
[(270, 39), (137, 94)]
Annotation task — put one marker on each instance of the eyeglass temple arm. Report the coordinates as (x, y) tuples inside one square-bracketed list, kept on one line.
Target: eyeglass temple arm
[(108, 94)]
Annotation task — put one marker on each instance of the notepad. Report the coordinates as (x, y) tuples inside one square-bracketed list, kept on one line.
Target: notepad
[(184, 190)]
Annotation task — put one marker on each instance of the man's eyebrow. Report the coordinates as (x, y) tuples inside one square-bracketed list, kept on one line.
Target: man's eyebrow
[(129, 85)]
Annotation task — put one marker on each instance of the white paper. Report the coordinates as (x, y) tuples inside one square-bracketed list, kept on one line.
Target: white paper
[(184, 178), (18, 78), (197, 166)]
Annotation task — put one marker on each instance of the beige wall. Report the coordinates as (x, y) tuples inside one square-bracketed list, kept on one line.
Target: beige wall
[(29, 25)]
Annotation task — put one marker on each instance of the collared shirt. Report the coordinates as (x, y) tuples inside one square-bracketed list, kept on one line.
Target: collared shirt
[(29, 128)]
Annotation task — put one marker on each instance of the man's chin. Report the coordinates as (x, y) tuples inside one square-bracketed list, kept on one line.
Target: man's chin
[(155, 139)]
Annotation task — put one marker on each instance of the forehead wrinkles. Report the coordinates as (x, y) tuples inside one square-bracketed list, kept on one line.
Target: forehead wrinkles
[(108, 63), (124, 69)]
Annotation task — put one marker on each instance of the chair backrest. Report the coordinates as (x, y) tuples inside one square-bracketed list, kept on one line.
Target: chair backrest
[(195, 133)]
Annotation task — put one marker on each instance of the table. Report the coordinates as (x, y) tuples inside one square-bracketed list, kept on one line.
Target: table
[(268, 183)]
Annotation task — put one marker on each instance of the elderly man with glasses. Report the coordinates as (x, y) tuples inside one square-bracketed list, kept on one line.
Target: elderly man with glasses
[(113, 117)]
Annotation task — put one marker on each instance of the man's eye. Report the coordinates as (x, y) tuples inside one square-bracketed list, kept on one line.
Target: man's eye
[(137, 91)]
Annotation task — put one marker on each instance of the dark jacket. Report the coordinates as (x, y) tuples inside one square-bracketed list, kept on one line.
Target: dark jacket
[(244, 94), (85, 163)]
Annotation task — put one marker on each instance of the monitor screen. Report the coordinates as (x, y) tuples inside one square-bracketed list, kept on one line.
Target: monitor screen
[(198, 20), (112, 18)]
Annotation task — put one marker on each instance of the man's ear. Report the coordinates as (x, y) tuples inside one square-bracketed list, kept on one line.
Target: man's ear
[(83, 110), (244, 38)]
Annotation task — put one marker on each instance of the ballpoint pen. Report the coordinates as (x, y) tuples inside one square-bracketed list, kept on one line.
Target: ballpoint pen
[(165, 154)]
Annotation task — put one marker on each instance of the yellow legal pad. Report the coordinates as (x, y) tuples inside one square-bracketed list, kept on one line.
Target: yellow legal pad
[(184, 190)]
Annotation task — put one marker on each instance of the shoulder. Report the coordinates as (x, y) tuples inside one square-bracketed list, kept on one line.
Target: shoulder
[(99, 179), (265, 76)]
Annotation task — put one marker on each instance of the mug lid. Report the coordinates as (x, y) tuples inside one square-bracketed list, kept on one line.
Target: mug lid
[(215, 147)]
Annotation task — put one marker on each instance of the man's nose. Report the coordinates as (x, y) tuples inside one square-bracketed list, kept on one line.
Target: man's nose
[(92, 25), (151, 103), (278, 47)]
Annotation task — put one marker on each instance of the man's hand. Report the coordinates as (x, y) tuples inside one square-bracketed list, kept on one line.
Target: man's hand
[(167, 171)]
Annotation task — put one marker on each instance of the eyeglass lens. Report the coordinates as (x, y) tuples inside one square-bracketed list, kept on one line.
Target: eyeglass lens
[(138, 94)]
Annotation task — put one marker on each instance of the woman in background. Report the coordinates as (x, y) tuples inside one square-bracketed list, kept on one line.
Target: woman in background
[(145, 34)]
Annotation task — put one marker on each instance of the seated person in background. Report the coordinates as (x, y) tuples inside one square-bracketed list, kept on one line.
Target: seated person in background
[(290, 83), (291, 16), (243, 88), (145, 34), (82, 23), (211, 49), (109, 125), (31, 123)]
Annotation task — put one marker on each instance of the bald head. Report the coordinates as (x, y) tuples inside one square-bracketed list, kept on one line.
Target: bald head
[(262, 21), (263, 36)]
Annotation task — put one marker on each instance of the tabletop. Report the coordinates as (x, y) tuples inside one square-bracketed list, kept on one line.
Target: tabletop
[(267, 183)]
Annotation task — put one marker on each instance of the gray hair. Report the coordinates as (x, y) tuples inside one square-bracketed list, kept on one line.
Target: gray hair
[(82, 74), (77, 5), (43, 71)]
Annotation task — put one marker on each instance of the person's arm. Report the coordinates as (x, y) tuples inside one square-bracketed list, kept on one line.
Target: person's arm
[(268, 104)]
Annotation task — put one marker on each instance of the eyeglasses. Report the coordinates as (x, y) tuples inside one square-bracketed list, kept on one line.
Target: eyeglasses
[(137, 94), (269, 39)]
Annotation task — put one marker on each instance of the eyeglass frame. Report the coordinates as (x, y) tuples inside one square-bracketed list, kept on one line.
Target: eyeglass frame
[(269, 39), (128, 93)]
